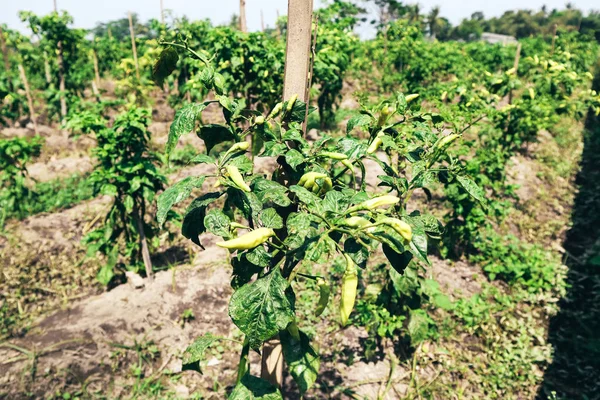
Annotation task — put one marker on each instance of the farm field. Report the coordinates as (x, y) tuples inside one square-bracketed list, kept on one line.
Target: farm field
[(193, 211)]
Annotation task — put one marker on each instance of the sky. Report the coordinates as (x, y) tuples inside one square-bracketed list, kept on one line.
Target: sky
[(87, 13)]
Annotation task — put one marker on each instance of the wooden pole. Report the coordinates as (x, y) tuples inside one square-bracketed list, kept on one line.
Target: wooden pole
[(243, 26), (553, 38), (517, 57), (29, 98), (61, 75), (297, 59), (96, 70), (262, 21), (162, 12), (132, 33), (4, 51), (109, 32), (47, 68), (297, 56), (277, 25), (145, 251)]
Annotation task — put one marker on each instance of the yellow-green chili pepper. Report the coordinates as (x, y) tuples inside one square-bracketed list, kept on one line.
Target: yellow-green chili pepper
[(376, 202), (349, 287), (324, 291), (399, 226), (248, 240), (237, 178)]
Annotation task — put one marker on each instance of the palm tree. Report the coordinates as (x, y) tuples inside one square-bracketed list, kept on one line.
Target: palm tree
[(413, 13)]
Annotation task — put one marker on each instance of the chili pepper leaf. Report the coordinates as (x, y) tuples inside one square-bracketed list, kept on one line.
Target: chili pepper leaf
[(398, 261), (176, 193), (253, 388), (273, 149), (195, 353), (261, 309), (471, 188), (183, 123), (360, 120), (297, 113), (203, 159), (302, 359), (193, 222), (335, 202), (259, 256), (294, 158), (272, 191), (243, 163), (217, 223), (351, 147), (356, 251), (164, 65), (271, 219), (308, 198), (418, 326), (213, 134)]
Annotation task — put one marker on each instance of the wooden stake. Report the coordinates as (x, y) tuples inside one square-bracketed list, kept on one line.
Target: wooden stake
[(61, 76), (277, 24), (162, 12), (262, 21), (243, 26), (109, 32), (61, 82), (4, 51), (553, 38), (297, 59), (132, 33), (47, 68), (29, 98), (96, 70), (517, 57), (145, 251)]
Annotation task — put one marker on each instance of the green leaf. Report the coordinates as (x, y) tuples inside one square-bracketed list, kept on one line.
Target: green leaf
[(359, 120), (193, 222), (195, 353), (261, 309), (259, 256), (335, 202), (271, 191), (297, 113), (253, 388), (305, 196), (213, 134), (294, 158), (271, 219), (471, 188), (203, 159), (184, 123), (217, 223), (398, 261), (418, 326), (302, 360), (164, 65), (176, 193)]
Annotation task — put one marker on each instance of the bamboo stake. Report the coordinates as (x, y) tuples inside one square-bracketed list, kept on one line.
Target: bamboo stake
[(553, 38), (517, 57), (135, 58), (61, 75), (243, 26), (145, 251), (4, 51), (96, 70), (47, 68), (162, 12), (295, 83), (277, 24), (262, 21), (29, 98)]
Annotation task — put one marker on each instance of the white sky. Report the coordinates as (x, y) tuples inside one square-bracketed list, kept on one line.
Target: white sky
[(87, 13)]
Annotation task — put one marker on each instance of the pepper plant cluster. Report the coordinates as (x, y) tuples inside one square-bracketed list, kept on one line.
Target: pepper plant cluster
[(313, 207)]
